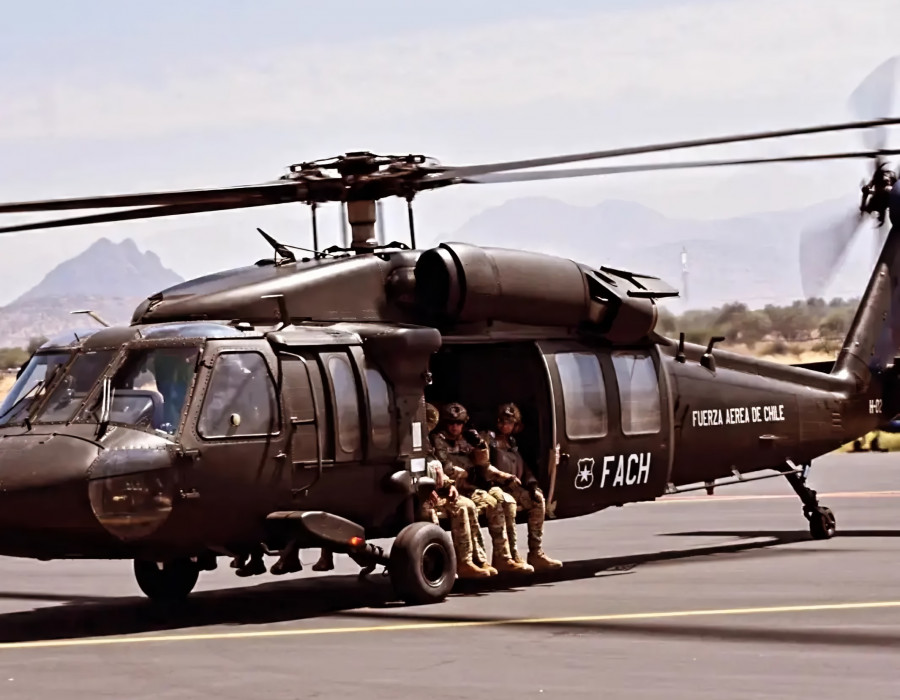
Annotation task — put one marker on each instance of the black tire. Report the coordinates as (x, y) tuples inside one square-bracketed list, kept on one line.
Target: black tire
[(423, 564), (173, 582), (822, 524)]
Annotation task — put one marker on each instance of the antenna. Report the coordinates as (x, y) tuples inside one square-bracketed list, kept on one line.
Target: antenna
[(93, 315)]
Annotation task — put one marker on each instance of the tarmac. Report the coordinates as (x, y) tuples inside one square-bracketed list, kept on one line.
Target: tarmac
[(693, 596)]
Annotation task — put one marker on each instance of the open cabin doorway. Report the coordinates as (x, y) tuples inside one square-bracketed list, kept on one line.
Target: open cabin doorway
[(484, 376)]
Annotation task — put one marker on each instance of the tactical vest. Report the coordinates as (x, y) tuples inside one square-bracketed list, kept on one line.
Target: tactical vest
[(506, 457)]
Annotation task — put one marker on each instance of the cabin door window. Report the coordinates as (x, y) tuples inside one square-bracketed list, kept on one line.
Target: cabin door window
[(345, 401), (380, 417), (638, 392), (584, 395)]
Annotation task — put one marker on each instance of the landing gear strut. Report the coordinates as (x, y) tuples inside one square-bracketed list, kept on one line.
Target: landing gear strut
[(822, 524)]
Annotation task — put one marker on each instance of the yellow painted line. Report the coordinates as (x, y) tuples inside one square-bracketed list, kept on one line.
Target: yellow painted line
[(268, 634), (768, 497)]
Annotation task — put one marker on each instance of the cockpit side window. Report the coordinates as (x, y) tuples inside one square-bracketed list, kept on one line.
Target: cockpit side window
[(240, 398), (30, 382), (149, 390), (71, 391)]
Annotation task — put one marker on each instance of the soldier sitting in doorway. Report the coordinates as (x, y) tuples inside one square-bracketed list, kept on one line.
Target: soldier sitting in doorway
[(465, 531), (471, 558), (465, 460), (523, 487)]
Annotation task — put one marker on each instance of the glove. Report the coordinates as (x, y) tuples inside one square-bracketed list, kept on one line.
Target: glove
[(473, 438)]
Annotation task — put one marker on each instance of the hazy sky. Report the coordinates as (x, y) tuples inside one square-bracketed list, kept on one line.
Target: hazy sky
[(108, 96)]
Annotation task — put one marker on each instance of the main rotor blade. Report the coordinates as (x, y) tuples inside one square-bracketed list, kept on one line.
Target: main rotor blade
[(649, 167), (874, 99), (822, 249), (132, 214), (473, 170), (265, 193)]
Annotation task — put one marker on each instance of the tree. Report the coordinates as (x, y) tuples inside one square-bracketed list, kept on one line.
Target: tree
[(753, 327), (836, 324), (11, 358), (794, 322), (666, 322), (34, 344)]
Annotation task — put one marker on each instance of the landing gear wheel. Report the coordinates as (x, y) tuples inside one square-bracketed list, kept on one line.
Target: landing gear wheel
[(822, 523), (423, 564), (173, 582)]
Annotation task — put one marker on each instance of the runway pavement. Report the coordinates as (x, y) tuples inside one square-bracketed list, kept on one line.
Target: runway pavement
[(722, 597)]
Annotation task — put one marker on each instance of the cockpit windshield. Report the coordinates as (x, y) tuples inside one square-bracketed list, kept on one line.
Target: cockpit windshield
[(74, 387), (149, 389), (29, 384)]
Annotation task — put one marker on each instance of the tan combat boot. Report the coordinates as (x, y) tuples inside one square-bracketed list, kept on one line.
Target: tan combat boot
[(509, 565), (487, 567), (541, 562), (526, 567), (468, 570)]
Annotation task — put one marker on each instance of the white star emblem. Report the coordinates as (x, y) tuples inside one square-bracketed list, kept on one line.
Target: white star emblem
[(584, 477)]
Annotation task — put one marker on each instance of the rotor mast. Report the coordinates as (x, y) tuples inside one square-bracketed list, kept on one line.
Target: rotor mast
[(362, 215)]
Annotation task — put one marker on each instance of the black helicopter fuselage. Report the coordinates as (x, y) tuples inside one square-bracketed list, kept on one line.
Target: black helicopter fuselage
[(303, 388)]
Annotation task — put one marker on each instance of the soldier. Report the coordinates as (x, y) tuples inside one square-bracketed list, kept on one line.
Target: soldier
[(524, 488), (471, 558), (465, 460), (255, 566)]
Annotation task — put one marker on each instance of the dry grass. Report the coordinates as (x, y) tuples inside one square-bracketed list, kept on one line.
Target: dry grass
[(795, 354), (6, 382)]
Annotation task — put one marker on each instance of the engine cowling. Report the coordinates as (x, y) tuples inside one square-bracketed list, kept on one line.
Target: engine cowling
[(461, 283)]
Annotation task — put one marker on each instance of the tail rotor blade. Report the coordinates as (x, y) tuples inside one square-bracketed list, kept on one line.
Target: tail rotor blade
[(822, 249), (879, 235), (874, 99)]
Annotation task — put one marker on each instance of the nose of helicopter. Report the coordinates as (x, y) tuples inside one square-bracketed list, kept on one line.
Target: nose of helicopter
[(42, 484), (60, 493), (38, 461)]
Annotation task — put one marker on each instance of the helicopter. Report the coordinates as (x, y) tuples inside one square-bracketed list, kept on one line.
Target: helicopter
[(283, 404)]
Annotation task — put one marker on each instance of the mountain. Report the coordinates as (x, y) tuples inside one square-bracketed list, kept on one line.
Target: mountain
[(108, 278), (754, 259), (104, 269)]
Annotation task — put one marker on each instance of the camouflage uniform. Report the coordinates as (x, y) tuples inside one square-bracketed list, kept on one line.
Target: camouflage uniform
[(471, 558), (465, 463), (524, 488)]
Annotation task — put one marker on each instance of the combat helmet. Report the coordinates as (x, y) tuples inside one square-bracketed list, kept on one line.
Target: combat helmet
[(431, 417), (510, 410), (454, 412)]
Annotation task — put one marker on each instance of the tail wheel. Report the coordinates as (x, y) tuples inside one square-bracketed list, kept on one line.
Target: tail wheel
[(422, 564), (170, 581)]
